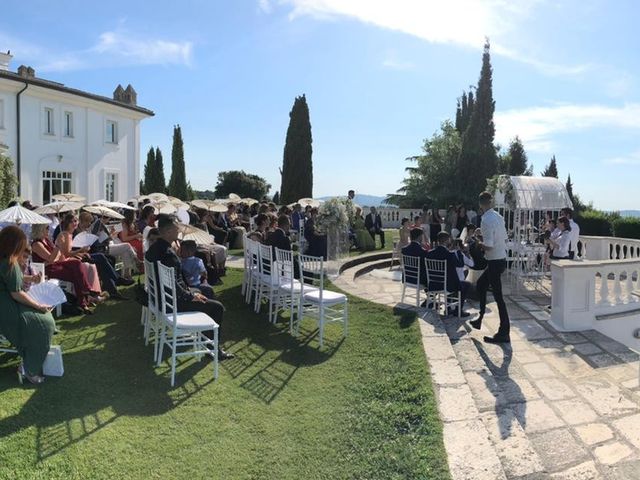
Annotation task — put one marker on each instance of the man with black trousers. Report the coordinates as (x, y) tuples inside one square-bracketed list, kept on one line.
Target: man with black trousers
[(373, 223), (494, 239), (188, 300)]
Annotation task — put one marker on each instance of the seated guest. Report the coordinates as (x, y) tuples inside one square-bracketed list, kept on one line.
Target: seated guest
[(27, 324), (130, 233), (404, 232), (56, 266), (316, 241), (161, 252), (297, 217), (261, 228), (441, 252), (474, 239), (418, 223), (122, 251), (29, 277), (279, 238), (373, 223), (195, 273), (415, 249), (463, 257), (462, 220), (363, 239), (109, 278), (229, 222), (147, 218)]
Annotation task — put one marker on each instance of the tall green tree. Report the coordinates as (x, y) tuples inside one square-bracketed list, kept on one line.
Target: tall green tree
[(160, 184), (518, 162), (149, 172), (464, 111), (551, 170), (432, 180), (297, 167), (478, 157), (178, 180), (8, 180), (241, 183)]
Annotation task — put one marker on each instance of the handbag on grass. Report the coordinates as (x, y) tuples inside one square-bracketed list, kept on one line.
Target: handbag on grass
[(53, 366)]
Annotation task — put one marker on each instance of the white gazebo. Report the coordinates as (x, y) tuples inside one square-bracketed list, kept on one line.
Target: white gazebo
[(524, 201)]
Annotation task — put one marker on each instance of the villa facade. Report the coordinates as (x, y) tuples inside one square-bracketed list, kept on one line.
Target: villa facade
[(63, 140)]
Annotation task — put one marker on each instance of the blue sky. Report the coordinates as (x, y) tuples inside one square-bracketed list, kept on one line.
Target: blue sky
[(379, 77)]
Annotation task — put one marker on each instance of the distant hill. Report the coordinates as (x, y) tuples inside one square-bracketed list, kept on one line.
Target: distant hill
[(630, 213), (364, 200)]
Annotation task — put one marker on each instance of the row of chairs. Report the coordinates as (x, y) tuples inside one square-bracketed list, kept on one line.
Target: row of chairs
[(270, 279), (183, 333), (436, 271)]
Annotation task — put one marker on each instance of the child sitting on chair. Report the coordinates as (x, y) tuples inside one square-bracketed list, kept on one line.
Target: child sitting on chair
[(195, 273), (28, 275)]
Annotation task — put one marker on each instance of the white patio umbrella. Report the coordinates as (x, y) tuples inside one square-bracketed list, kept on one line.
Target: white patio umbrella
[(190, 232), (248, 201), (310, 202), (164, 207), (68, 197), (211, 205), (22, 216), (58, 207), (158, 197), (102, 211), (108, 204), (234, 197)]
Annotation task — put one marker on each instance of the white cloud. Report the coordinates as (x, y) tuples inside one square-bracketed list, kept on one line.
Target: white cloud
[(631, 159), (144, 51), (459, 22), (392, 60), (265, 6), (537, 126)]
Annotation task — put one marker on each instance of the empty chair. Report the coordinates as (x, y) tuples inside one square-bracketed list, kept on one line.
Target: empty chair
[(268, 281), (323, 305), (184, 329)]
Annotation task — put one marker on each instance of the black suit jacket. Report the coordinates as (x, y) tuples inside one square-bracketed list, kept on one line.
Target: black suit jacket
[(279, 239), (371, 223), (442, 253), (415, 250), (162, 252)]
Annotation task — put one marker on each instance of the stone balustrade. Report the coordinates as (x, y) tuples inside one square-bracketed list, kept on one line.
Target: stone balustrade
[(391, 217), (608, 248)]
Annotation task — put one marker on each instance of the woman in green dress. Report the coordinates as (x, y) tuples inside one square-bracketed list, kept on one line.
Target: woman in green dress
[(363, 238), (27, 324)]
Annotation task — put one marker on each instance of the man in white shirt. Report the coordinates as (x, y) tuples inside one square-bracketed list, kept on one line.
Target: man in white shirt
[(574, 234), (494, 244)]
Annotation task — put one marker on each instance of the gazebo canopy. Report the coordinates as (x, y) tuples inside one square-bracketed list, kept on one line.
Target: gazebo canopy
[(531, 193)]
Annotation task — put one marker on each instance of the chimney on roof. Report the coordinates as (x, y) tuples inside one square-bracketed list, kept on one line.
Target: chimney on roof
[(118, 94), (26, 72), (5, 59), (130, 96)]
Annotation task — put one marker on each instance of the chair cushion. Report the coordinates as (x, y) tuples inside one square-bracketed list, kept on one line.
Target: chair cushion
[(193, 321), (328, 297), (269, 279), (297, 287)]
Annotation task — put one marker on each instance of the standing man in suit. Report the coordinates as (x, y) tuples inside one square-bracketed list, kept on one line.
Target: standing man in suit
[(494, 244), (442, 252), (373, 223)]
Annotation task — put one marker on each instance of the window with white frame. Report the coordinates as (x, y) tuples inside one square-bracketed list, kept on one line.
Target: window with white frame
[(111, 133), (111, 186), (48, 121), (54, 183), (68, 124)]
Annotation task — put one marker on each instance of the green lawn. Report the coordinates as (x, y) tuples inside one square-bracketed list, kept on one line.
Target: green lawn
[(362, 408)]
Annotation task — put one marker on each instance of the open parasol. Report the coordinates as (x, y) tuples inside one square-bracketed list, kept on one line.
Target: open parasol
[(157, 197), (164, 207), (58, 207), (210, 205), (102, 211), (304, 202), (22, 216), (248, 201), (68, 197), (234, 197), (190, 232), (108, 204)]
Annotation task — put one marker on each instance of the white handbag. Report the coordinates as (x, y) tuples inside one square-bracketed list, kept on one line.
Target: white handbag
[(53, 366)]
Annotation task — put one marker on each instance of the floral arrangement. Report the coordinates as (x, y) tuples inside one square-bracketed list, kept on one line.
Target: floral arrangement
[(502, 184), (333, 214)]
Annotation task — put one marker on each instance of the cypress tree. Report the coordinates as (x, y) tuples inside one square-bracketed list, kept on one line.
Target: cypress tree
[(517, 158), (569, 187), (478, 157), (159, 182), (149, 172), (297, 167), (551, 170), (276, 198), (178, 180)]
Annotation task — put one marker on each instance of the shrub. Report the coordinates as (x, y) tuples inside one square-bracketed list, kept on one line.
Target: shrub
[(595, 222), (627, 227)]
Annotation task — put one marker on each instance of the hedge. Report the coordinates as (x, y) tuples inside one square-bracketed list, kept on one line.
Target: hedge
[(627, 227), (596, 223)]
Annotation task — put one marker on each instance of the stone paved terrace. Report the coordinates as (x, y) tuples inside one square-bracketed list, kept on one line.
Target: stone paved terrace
[(552, 405)]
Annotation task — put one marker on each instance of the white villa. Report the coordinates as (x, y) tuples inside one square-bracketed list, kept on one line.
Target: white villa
[(65, 140)]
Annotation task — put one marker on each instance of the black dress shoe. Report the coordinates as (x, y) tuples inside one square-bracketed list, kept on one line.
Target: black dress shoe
[(464, 314), (497, 339), (222, 355), (477, 323), (126, 282)]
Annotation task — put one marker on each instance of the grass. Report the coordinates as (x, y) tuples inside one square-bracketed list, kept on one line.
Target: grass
[(360, 408)]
